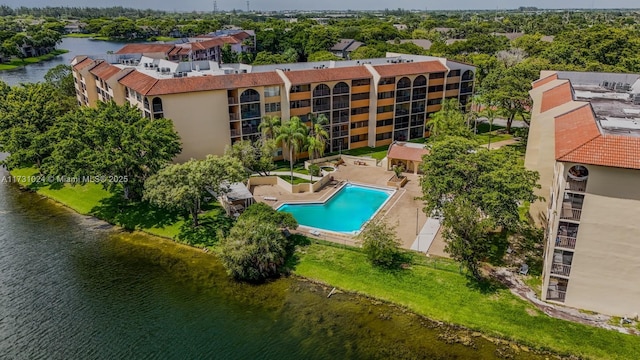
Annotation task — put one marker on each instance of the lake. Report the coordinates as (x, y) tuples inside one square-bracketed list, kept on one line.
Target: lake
[(76, 46), (72, 287)]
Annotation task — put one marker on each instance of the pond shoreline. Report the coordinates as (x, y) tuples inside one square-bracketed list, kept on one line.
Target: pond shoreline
[(21, 63), (450, 333)]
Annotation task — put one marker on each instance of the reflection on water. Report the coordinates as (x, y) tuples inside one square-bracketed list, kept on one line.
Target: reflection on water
[(72, 288), (76, 46)]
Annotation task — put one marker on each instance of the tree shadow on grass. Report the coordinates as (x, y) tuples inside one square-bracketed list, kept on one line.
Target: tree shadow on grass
[(210, 231), (484, 285), (133, 215)]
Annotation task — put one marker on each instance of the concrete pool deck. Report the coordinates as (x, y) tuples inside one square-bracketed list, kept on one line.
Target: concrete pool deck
[(404, 208)]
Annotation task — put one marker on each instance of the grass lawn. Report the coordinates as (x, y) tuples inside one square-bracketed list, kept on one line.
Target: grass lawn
[(79, 35), (297, 167), (495, 137), (444, 294), (93, 199), (16, 63), (161, 38), (377, 153), (296, 180)]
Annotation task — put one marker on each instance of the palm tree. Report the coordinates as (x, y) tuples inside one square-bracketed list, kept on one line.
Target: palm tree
[(292, 135), (490, 111), (269, 125), (318, 135)]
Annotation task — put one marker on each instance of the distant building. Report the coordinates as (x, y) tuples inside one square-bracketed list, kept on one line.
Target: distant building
[(74, 27), (345, 47), (368, 102), (511, 36), (400, 27), (584, 140)]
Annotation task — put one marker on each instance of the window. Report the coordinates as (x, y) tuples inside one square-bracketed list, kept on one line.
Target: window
[(360, 124), (453, 86), (384, 109), (300, 88), (296, 104), (249, 111), (340, 116), (419, 93), (403, 95), (360, 110), (383, 136), (360, 82), (401, 135), (404, 83), (439, 75), (434, 101), (453, 73), (420, 81), (468, 75), (272, 107), (402, 109), (384, 122), (387, 81), (417, 106), (361, 96), (341, 88), (358, 138), (386, 95), (249, 95), (272, 91), (436, 88), (321, 90), (138, 96), (156, 104), (341, 102), (417, 120)]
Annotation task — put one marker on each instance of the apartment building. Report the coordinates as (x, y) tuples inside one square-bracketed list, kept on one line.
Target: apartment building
[(368, 103), (584, 141)]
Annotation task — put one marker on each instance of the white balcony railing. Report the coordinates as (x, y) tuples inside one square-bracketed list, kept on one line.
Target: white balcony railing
[(560, 269), (569, 213), (556, 295), (566, 242)]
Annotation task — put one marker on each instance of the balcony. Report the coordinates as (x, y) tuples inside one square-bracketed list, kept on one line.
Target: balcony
[(233, 101), (248, 130), (570, 213), (234, 117), (250, 114), (566, 242), (560, 269), (340, 120), (556, 295), (235, 132), (576, 185)]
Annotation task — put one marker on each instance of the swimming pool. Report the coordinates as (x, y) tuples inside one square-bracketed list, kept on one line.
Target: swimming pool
[(346, 211)]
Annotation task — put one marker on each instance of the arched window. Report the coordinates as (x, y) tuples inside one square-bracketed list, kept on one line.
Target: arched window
[(249, 95), (321, 90), (420, 81), (577, 178), (467, 75), (157, 108), (404, 83), (341, 88)]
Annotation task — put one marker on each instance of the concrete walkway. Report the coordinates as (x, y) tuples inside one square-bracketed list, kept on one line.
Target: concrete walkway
[(426, 236), (499, 144)]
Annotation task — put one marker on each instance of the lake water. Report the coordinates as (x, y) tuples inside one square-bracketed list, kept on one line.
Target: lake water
[(76, 46)]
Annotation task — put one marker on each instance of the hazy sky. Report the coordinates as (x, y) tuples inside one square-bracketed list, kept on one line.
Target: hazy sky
[(207, 5)]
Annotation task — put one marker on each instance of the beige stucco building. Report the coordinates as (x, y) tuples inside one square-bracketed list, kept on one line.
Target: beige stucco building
[(368, 102), (585, 142)]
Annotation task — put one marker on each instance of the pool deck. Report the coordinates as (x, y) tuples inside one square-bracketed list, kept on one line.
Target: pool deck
[(402, 209)]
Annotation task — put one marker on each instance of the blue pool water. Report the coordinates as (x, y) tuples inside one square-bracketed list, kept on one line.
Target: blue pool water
[(345, 212)]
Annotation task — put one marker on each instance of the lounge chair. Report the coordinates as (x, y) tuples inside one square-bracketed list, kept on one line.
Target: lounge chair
[(270, 198), (524, 269), (315, 232)]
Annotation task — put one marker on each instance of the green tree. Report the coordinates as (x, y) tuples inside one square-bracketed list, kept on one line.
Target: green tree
[(292, 135), (61, 78), (449, 121), (185, 186), (366, 52), (322, 55), (318, 135), (255, 156), (111, 140), (257, 247), (381, 244), (268, 126), (27, 113)]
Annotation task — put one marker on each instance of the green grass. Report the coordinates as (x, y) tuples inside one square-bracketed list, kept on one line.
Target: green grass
[(79, 35), (484, 128), (535, 283), (284, 166), (93, 199), (16, 63), (446, 295), (495, 137), (377, 153), (161, 38), (296, 180)]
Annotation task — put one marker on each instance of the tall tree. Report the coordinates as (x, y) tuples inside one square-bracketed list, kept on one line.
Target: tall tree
[(292, 135), (449, 121), (318, 135), (184, 186)]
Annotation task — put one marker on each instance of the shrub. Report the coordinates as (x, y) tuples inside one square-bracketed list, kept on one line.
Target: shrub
[(314, 170), (381, 244)]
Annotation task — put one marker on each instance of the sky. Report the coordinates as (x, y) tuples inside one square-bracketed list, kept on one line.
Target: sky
[(207, 5)]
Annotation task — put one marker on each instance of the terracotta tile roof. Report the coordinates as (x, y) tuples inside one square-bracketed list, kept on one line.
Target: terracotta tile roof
[(148, 85), (241, 35), (83, 64), (574, 129), (105, 70), (401, 152), (578, 139), (422, 67), (139, 82), (325, 75), (229, 40), (145, 48), (556, 96), (545, 80)]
